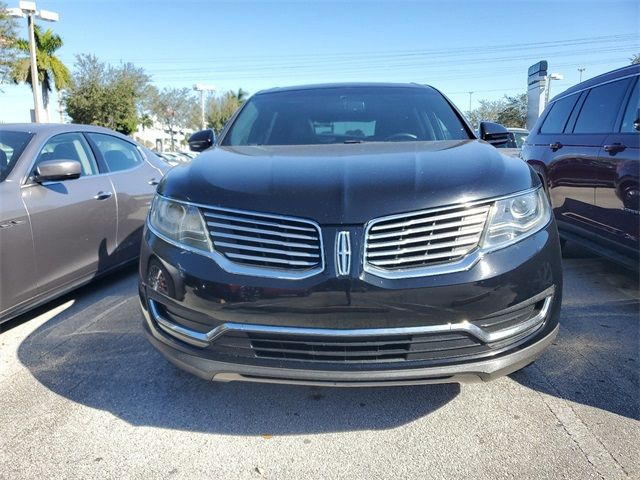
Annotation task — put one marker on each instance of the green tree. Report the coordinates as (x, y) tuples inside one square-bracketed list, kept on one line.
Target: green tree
[(51, 71), (514, 111), (7, 42), (145, 121), (101, 94), (508, 111), (220, 109), (635, 60), (487, 111), (174, 108), (240, 96)]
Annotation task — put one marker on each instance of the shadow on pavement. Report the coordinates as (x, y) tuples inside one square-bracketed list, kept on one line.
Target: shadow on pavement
[(595, 359), (94, 353)]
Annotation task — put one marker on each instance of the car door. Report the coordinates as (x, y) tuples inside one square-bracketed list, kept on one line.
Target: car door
[(576, 171), (134, 182), (568, 159), (617, 194), (18, 278), (73, 221)]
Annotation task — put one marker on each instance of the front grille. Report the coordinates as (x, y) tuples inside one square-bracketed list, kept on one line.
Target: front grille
[(425, 238), (262, 240), (390, 348)]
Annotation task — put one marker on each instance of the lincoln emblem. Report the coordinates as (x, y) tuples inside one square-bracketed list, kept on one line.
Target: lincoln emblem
[(343, 253)]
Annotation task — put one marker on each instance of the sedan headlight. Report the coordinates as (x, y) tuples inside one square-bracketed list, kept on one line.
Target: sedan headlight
[(179, 222), (513, 218)]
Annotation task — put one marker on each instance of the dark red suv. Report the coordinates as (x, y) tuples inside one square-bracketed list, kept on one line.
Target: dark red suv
[(586, 148)]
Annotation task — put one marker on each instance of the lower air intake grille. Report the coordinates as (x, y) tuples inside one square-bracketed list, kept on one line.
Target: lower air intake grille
[(365, 349)]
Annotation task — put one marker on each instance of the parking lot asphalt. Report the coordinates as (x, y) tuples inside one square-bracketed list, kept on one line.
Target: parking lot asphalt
[(83, 395)]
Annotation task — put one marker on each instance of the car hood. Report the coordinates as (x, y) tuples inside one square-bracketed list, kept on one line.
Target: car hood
[(347, 183)]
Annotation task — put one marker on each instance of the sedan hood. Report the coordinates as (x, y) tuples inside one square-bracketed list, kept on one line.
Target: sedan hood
[(347, 183)]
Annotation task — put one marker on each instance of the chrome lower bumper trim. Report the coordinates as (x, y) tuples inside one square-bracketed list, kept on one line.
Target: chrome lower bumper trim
[(203, 340)]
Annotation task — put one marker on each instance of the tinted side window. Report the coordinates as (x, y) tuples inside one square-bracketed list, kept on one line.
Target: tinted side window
[(117, 154), (69, 146), (558, 115), (600, 109), (632, 112)]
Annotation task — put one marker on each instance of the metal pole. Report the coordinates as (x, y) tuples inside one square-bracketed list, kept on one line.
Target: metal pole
[(546, 98), (202, 107), (581, 70), (34, 69)]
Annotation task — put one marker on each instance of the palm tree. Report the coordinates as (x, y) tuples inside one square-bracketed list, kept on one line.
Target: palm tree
[(240, 96), (51, 71), (145, 121)]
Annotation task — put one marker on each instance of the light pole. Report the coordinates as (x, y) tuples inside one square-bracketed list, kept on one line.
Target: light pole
[(581, 70), (199, 87), (553, 76), (28, 10)]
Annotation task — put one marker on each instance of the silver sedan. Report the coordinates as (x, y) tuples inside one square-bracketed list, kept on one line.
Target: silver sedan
[(73, 200)]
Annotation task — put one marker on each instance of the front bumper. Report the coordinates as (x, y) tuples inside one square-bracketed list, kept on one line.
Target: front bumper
[(490, 320)]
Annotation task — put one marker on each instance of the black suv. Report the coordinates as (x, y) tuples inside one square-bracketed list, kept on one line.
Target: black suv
[(351, 235), (586, 148)]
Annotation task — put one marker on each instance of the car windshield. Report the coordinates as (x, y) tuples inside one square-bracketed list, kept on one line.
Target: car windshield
[(11, 146), (345, 115)]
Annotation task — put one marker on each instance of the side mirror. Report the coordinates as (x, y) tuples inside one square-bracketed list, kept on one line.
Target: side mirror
[(57, 170), (202, 140), (494, 133)]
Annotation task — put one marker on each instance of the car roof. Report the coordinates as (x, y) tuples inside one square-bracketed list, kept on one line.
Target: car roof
[(320, 86), (627, 71), (55, 128)]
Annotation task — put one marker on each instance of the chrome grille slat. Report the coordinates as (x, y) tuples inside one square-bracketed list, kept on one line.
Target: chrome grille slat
[(449, 254), (476, 220), (428, 219), (268, 241), (266, 250), (261, 231), (419, 240), (427, 238), (270, 260), (273, 244), (258, 222), (435, 246)]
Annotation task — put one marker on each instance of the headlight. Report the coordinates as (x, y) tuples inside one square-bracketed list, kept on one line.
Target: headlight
[(179, 222), (511, 219)]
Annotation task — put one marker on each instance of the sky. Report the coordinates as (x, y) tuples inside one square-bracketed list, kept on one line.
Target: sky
[(457, 47)]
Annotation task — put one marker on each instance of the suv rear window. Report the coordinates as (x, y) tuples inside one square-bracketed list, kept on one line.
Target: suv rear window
[(557, 117), (600, 109), (345, 114)]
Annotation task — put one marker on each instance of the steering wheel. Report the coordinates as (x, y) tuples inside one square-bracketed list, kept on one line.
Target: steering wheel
[(401, 136)]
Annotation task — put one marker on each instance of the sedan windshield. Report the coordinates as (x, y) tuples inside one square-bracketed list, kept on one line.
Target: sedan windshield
[(11, 146), (345, 115)]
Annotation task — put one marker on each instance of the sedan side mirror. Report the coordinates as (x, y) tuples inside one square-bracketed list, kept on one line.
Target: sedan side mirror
[(494, 133), (202, 140), (57, 170)]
